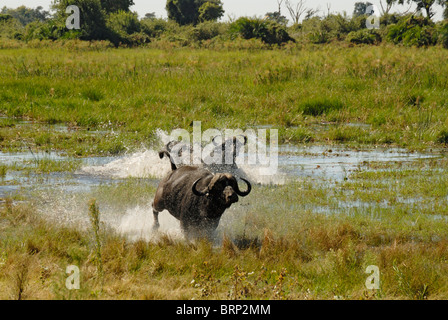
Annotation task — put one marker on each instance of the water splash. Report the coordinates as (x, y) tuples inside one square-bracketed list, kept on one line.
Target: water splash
[(136, 224), (147, 164), (142, 164)]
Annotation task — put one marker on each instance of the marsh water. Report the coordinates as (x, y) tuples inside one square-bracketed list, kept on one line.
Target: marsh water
[(62, 196), (321, 163)]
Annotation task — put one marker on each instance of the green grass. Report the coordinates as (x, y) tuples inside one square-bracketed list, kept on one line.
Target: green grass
[(400, 91), (318, 107), (302, 240)]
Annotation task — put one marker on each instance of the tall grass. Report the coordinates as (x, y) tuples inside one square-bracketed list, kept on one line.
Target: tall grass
[(94, 215), (272, 249), (135, 91)]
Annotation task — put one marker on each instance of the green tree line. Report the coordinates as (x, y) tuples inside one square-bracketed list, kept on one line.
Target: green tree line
[(197, 21)]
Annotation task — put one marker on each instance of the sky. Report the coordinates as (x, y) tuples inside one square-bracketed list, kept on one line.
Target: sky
[(233, 8)]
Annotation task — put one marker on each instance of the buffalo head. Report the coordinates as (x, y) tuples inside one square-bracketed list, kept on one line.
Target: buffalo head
[(223, 188)]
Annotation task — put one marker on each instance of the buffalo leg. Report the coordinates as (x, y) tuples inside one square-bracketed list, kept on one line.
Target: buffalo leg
[(156, 224)]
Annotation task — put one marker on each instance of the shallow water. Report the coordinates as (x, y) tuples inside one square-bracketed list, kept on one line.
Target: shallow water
[(63, 195), (336, 163)]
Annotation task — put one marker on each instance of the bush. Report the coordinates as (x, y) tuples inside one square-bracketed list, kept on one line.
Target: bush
[(123, 22), (413, 31), (5, 17), (333, 27), (126, 28), (10, 27), (269, 32), (443, 35), (154, 28), (209, 30), (317, 30), (443, 136), (364, 36), (388, 19), (49, 30)]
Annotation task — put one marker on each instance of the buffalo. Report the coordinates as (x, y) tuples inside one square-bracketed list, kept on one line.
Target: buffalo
[(227, 151), (196, 197)]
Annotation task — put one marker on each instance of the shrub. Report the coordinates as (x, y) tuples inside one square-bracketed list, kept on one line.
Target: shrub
[(333, 27), (319, 30), (443, 35), (413, 31), (154, 28), (268, 31), (49, 30), (364, 36), (10, 27), (443, 136), (209, 30), (389, 18), (126, 28), (5, 17), (123, 22)]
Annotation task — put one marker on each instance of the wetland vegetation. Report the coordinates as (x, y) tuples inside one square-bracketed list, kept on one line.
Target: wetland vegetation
[(364, 135)]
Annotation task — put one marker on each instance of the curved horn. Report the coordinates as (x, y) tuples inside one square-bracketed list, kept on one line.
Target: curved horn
[(243, 193), (169, 146), (166, 153), (196, 192)]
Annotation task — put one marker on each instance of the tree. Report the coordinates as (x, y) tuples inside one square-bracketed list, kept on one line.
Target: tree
[(194, 11), (93, 18), (388, 6), (310, 13), (116, 5), (360, 8), (295, 10), (27, 15), (328, 9), (276, 17), (123, 23), (183, 11), (279, 4), (210, 11), (428, 6)]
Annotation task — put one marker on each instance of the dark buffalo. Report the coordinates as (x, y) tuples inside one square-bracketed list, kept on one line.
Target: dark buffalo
[(196, 197)]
